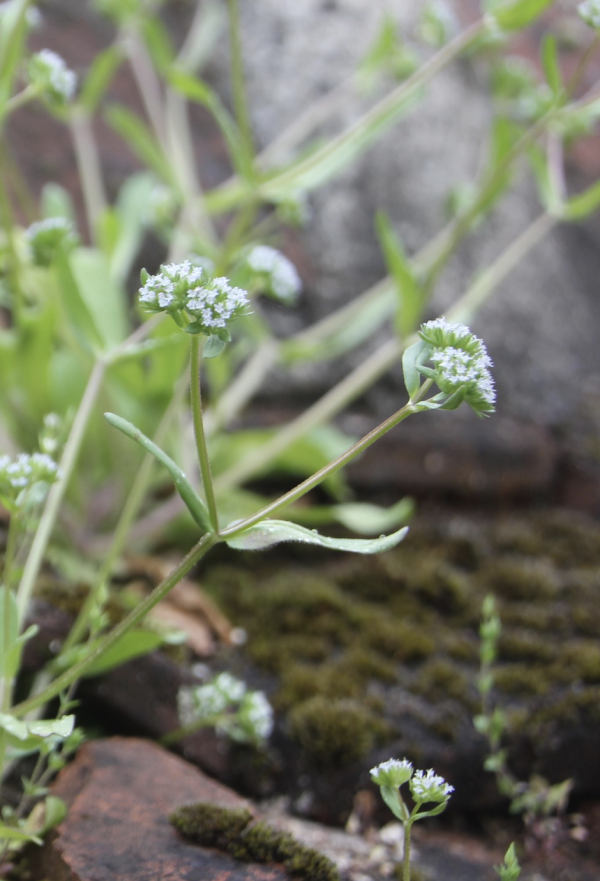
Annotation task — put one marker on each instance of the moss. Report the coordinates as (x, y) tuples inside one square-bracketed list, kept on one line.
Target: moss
[(210, 825), (395, 639), (523, 645), (521, 679), (335, 732), (517, 578), (230, 830), (535, 616), (440, 585), (276, 654), (461, 647), (586, 618), (438, 679), (579, 661), (567, 709)]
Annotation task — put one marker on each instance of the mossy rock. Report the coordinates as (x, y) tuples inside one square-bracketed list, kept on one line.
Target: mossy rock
[(335, 732)]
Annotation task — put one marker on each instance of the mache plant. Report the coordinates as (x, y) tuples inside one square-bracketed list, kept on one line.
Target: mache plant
[(70, 343)]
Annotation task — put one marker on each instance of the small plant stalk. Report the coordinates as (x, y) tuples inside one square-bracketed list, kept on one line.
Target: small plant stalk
[(196, 397)]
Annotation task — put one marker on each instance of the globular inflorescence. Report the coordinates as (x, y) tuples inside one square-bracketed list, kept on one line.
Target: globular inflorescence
[(49, 237), (394, 772), (21, 473), (49, 73), (196, 302), (461, 364), (245, 716), (589, 10), (427, 786), (278, 273)]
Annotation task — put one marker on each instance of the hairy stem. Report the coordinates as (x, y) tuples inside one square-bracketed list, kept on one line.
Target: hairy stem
[(196, 397)]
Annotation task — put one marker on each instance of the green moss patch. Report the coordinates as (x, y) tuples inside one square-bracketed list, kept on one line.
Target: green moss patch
[(233, 831)]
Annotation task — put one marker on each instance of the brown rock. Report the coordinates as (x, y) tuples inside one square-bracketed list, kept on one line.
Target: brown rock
[(120, 794)]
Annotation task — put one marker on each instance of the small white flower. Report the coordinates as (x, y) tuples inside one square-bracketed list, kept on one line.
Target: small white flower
[(25, 471), (49, 71), (589, 11), (47, 237), (428, 786), (258, 714), (282, 276), (392, 773), (232, 689)]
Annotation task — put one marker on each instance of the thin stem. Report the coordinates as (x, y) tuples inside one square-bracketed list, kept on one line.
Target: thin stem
[(406, 860), (55, 496), (331, 468), (90, 171), (148, 83), (135, 617), (186, 730), (196, 397), (29, 93), (238, 81)]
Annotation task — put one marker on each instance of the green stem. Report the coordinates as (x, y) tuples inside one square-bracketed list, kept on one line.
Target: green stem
[(28, 94), (406, 861), (135, 616), (331, 468), (55, 496), (196, 397)]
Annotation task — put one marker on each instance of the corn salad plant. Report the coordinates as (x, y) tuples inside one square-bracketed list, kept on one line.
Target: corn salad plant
[(72, 347)]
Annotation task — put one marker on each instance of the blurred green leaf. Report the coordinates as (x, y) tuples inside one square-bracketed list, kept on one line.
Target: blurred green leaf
[(272, 532), (99, 77), (413, 358), (140, 140), (551, 64), (159, 43), (410, 295), (517, 14), (197, 90), (56, 202), (583, 205), (131, 645), (103, 297)]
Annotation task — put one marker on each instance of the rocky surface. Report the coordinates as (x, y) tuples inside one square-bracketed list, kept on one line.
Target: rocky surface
[(120, 793)]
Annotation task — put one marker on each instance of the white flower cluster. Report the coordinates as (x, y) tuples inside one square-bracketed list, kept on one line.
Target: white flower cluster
[(46, 237), (178, 288), (48, 71), (33, 16), (461, 363), (21, 473), (589, 10), (245, 716), (281, 274), (392, 773), (428, 786)]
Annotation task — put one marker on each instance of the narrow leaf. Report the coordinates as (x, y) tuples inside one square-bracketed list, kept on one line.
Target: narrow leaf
[(410, 296), (131, 645), (214, 346), (519, 14), (99, 77), (140, 139), (550, 64), (412, 359), (193, 502), (272, 532), (581, 206)]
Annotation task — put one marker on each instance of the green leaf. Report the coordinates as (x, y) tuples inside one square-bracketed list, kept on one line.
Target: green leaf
[(197, 90), (391, 797), (9, 833), (76, 309), (583, 205), (413, 358), (104, 298), (551, 65), (99, 77), (272, 532), (159, 43), (518, 14), (131, 210), (193, 502), (29, 735), (6, 647), (12, 659), (57, 202), (213, 347), (55, 811), (410, 296), (140, 139), (131, 645), (368, 519)]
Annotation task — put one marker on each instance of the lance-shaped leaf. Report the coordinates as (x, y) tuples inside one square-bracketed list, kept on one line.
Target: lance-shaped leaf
[(193, 502), (518, 14), (272, 532), (413, 360), (409, 293)]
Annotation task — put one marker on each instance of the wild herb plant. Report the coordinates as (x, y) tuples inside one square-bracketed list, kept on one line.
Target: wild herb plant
[(541, 803), (70, 344)]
